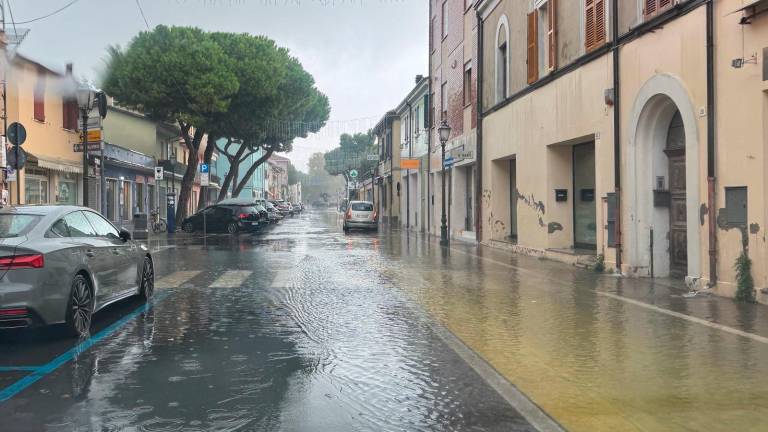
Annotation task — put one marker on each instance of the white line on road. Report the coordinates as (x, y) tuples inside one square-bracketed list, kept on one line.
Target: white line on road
[(693, 319), (231, 279), (282, 279), (176, 279)]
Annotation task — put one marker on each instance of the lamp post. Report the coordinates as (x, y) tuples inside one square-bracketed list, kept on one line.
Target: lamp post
[(86, 95), (444, 131)]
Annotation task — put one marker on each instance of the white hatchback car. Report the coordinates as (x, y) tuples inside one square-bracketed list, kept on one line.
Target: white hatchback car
[(360, 215)]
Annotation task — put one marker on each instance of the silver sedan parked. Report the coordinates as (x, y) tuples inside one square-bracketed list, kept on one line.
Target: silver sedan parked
[(61, 264), (360, 214)]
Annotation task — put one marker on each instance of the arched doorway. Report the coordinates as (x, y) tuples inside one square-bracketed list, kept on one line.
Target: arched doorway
[(662, 182)]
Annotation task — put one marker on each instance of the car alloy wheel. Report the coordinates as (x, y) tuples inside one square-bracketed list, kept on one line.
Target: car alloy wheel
[(80, 307), (188, 227), (147, 279), (232, 228)]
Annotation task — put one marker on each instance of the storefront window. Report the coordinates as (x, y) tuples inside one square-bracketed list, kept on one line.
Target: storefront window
[(36, 190), (66, 190)]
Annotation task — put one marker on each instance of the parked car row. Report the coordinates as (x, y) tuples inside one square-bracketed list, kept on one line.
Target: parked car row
[(236, 215)]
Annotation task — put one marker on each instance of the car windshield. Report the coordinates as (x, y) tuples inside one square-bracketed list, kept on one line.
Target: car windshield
[(362, 207), (16, 225)]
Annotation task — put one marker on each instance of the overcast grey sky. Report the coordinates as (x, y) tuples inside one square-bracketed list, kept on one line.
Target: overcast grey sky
[(364, 54)]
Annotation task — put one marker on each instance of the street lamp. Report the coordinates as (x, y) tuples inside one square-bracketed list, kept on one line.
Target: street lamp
[(86, 96), (444, 132)]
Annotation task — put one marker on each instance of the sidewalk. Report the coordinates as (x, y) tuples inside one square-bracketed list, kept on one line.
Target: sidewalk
[(595, 351)]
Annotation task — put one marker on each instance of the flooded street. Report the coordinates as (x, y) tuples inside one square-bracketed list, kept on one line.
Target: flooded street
[(303, 328)]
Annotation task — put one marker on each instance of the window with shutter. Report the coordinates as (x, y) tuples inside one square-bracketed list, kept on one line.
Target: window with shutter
[(39, 99), (533, 52), (594, 24), (552, 33), (69, 108), (653, 7)]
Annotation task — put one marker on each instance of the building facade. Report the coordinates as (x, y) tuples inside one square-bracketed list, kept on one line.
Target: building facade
[(36, 98), (414, 155), (389, 179), (453, 94), (626, 129)]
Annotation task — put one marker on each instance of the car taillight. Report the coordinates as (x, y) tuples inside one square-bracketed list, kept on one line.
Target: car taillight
[(18, 312), (243, 216), (22, 261), (374, 215), (349, 214)]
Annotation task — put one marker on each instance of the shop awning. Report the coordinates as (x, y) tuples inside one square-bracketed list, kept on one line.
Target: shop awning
[(55, 164)]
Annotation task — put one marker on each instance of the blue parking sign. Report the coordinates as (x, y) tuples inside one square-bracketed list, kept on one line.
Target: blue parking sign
[(204, 168)]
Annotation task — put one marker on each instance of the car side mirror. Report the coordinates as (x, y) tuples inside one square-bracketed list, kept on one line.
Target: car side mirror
[(125, 234)]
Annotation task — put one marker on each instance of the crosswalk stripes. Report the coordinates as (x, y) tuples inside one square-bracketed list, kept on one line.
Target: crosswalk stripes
[(282, 279), (231, 279), (176, 279)]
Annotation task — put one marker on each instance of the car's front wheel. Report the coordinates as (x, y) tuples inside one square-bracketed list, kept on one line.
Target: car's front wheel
[(147, 279), (80, 307)]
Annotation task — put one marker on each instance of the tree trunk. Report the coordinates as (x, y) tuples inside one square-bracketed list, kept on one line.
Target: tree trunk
[(252, 169), (203, 201), (193, 145), (234, 162)]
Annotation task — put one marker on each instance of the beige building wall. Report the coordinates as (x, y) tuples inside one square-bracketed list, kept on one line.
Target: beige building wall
[(566, 112), (662, 71), (742, 139), (47, 140)]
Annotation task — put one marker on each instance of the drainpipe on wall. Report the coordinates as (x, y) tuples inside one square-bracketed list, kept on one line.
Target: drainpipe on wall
[(616, 130), (428, 112), (479, 137), (711, 143)]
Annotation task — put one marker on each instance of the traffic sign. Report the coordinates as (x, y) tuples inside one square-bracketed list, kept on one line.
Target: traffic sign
[(16, 164), (94, 136), (10, 175), (205, 179), (353, 174), (204, 168), (449, 161), (92, 147), (158, 173), (16, 133)]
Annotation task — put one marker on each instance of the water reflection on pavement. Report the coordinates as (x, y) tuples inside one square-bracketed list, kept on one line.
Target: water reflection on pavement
[(294, 329)]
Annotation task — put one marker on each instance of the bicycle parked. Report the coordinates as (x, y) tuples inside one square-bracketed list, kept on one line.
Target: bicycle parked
[(157, 224)]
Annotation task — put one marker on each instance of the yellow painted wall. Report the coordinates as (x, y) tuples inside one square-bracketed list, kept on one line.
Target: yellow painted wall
[(46, 139)]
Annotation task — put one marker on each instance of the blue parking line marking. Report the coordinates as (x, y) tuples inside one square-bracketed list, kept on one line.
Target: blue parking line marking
[(41, 371), (19, 368)]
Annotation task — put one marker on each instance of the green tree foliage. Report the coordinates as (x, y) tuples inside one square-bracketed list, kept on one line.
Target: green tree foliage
[(176, 75), (296, 109), (352, 154)]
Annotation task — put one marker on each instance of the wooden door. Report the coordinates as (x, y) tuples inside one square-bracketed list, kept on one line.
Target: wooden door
[(678, 221)]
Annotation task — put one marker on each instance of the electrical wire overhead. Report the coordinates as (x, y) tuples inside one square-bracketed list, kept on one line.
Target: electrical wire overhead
[(49, 14)]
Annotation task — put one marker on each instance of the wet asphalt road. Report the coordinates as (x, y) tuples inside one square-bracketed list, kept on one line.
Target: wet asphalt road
[(299, 328)]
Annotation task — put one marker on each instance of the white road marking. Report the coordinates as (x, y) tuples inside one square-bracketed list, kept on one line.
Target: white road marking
[(176, 279), (231, 279), (693, 319), (282, 279)]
